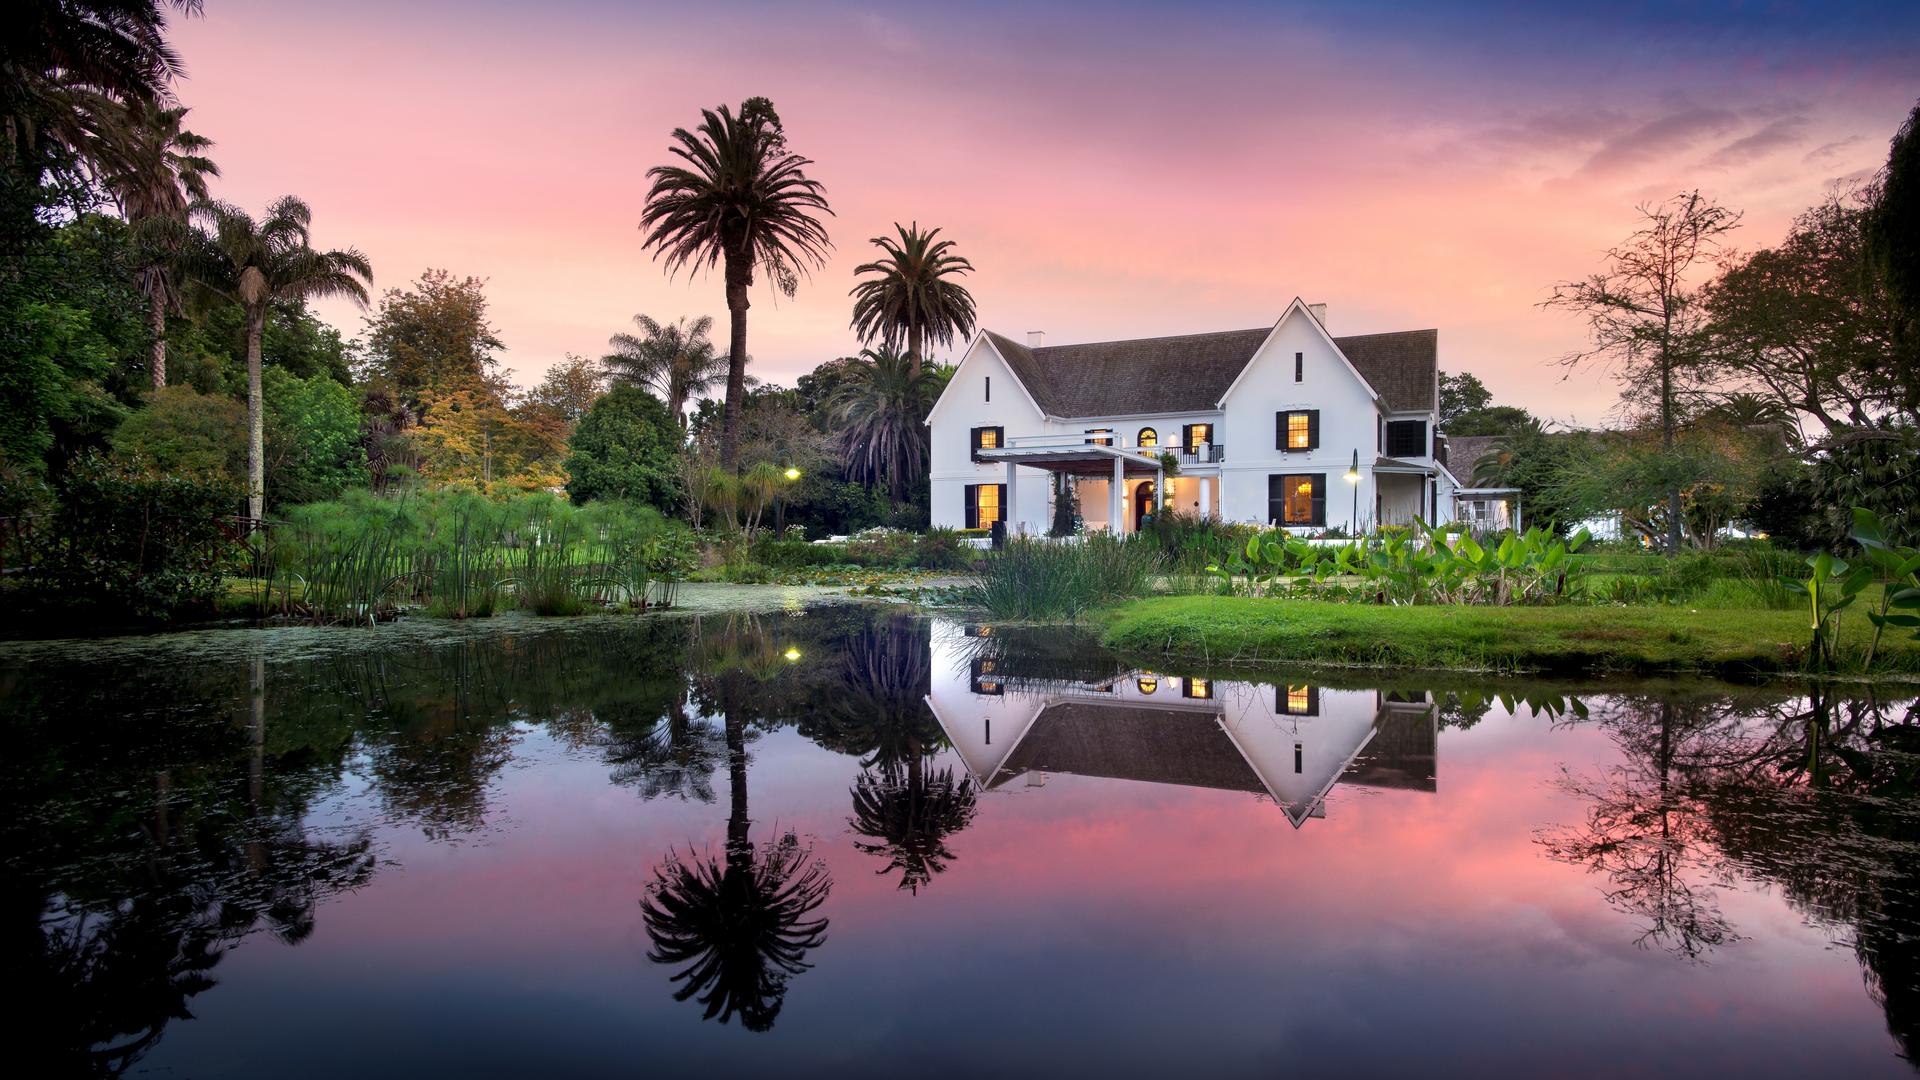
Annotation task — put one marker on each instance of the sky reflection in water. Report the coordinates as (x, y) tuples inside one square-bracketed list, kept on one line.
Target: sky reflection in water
[(854, 841)]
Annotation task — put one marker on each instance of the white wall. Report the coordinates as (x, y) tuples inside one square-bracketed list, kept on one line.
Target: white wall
[(1348, 422), (961, 408)]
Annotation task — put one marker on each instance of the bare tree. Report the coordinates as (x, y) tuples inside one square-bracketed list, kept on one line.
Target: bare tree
[(1644, 321)]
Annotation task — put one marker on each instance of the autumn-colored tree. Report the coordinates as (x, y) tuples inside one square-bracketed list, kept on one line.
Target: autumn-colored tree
[(431, 339)]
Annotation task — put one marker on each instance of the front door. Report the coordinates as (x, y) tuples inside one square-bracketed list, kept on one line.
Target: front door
[(1142, 504)]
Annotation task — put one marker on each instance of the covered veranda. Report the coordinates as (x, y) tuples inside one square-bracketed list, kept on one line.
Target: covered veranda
[(1078, 457)]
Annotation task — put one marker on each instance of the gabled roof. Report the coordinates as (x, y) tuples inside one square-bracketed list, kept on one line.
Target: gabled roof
[(1191, 372)]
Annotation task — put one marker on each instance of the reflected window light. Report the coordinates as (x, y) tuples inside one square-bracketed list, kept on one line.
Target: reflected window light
[(1201, 689), (1298, 700), (1147, 683)]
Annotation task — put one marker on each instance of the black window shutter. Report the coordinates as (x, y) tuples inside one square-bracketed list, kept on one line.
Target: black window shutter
[(975, 435), (1279, 431), (1319, 498), (1186, 437), (1276, 499), (973, 506), (1313, 429), (1000, 499), (1000, 437)]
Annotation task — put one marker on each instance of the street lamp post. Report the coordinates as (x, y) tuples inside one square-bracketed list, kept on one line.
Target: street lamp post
[(1353, 481)]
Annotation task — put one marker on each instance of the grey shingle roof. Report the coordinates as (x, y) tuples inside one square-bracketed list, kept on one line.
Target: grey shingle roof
[(1189, 373), (1161, 746), (1465, 451)]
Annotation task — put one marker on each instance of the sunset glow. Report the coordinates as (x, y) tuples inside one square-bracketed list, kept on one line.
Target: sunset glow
[(1110, 171)]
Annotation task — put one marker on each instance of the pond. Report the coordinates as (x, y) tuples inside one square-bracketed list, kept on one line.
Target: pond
[(852, 840)]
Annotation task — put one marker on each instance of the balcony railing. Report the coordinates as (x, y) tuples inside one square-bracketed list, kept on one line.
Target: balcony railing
[(1204, 454)]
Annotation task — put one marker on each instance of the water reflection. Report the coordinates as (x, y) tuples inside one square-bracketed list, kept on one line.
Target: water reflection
[(1015, 719), (878, 766)]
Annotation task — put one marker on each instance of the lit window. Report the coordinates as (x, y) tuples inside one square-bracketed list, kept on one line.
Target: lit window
[(1299, 506), (1198, 435), (989, 438), (987, 502), (1299, 432), (1100, 436), (1149, 437), (1298, 700), (1147, 683), (1199, 688)]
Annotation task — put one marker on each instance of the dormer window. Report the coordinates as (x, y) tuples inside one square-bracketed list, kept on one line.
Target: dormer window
[(1148, 437), (1407, 438)]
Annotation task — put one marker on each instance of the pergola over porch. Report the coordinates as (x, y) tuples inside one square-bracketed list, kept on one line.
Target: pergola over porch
[(1075, 455)]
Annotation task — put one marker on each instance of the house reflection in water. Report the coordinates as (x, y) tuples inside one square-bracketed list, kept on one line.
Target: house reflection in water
[(1289, 742)]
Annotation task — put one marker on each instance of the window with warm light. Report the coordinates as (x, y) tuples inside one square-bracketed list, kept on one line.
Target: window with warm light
[(1299, 432), (1199, 689), (1198, 435), (985, 679), (987, 505), (1147, 684), (1299, 700), (1148, 437), (1100, 436), (1299, 509)]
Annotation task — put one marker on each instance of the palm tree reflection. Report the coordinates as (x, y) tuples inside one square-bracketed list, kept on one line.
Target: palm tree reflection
[(739, 926), (907, 822)]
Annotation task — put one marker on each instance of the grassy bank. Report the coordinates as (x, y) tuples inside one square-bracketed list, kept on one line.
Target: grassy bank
[(1563, 640)]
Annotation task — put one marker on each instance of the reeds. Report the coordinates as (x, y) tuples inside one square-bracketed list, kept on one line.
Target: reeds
[(1051, 579)]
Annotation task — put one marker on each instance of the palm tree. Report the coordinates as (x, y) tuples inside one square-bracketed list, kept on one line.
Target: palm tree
[(675, 360), (914, 296), (881, 409), (743, 201), (256, 264), (55, 48), (154, 168)]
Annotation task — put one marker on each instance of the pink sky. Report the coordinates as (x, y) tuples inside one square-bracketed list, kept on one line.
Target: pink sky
[(1112, 172)]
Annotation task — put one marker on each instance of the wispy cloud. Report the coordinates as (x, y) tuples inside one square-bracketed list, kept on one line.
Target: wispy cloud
[(1826, 152), (1660, 138), (1783, 132)]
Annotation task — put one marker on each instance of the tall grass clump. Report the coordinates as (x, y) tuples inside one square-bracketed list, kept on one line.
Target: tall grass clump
[(459, 565), (1034, 578), (343, 562), (542, 558)]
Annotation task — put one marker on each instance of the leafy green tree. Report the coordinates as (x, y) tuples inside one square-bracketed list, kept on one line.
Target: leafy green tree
[(256, 264), (1894, 241), (1809, 324), (741, 200), (673, 360), (624, 448), (881, 411), (210, 350), (1467, 408), (313, 438), (432, 338), (183, 432), (914, 295)]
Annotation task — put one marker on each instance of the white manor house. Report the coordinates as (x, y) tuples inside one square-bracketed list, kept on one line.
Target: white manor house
[(1285, 425)]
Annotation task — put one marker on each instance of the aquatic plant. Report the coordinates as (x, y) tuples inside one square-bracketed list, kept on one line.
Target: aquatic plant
[(1035, 578)]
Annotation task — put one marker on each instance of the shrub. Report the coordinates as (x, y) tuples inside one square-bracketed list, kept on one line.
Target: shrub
[(624, 448), (125, 542), (185, 433)]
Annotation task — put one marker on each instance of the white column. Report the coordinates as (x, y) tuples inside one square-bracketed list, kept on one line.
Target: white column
[(1114, 496), (1013, 499), (1206, 496)]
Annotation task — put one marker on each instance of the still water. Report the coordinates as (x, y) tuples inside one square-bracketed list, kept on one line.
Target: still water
[(854, 841)]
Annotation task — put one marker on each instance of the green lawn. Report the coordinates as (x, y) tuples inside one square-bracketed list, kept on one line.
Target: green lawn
[(1570, 639)]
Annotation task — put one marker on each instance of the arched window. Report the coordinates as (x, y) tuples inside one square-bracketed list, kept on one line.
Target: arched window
[(1149, 437)]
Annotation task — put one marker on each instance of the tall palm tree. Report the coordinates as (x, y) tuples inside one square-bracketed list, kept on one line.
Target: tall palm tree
[(914, 296), (49, 49), (742, 201), (154, 168), (256, 264), (881, 410), (675, 360)]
